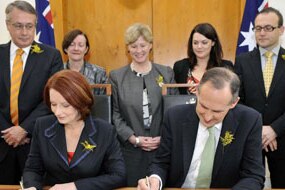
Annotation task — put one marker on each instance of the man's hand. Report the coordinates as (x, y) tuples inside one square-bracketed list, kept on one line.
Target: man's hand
[(30, 188), (14, 135), (272, 146), (153, 184), (26, 140), (268, 138), (64, 186)]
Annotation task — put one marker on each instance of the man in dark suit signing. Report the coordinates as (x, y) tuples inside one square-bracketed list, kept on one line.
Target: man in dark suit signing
[(262, 75), (24, 69), (215, 143)]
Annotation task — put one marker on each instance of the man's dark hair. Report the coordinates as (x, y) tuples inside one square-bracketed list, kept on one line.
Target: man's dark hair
[(220, 78), (272, 10)]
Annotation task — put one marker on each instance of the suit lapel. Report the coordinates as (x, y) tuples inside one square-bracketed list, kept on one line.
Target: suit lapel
[(6, 71), (255, 66), (30, 65), (229, 125), (189, 134), (56, 137), (87, 136), (278, 72)]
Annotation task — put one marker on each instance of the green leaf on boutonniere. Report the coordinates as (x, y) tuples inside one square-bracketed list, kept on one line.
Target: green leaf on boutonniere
[(159, 80), (283, 57), (87, 146), (227, 139), (36, 49)]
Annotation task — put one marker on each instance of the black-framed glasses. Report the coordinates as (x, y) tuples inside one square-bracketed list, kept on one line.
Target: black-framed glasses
[(19, 26), (266, 28)]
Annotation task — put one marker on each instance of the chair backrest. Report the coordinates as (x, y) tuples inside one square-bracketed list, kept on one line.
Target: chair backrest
[(102, 103), (173, 100)]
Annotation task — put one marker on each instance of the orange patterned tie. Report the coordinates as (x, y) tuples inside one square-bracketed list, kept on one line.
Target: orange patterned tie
[(16, 78), (268, 71)]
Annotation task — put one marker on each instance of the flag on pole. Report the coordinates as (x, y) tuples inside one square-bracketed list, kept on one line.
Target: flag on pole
[(45, 32), (246, 39)]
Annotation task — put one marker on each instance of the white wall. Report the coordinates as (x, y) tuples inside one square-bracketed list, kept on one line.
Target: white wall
[(280, 5), (4, 35)]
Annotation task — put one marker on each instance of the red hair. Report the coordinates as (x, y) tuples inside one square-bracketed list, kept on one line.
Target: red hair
[(74, 88)]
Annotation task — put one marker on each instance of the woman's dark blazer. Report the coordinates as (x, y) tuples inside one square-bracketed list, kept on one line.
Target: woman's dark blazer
[(181, 69), (100, 168)]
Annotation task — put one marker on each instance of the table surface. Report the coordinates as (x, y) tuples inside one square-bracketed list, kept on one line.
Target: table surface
[(17, 187)]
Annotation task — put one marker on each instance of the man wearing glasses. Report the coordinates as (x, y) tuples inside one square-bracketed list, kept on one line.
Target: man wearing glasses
[(25, 67), (262, 75)]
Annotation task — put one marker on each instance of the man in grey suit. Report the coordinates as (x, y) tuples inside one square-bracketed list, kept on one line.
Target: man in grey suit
[(267, 97), (236, 149), (19, 109)]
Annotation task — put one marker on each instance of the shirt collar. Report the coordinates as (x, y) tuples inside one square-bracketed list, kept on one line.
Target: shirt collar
[(275, 50), (217, 126), (14, 48)]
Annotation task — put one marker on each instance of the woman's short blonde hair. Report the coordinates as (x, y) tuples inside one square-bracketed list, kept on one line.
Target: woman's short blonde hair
[(135, 31)]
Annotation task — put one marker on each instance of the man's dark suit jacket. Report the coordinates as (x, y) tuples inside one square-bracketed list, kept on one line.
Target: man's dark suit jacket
[(181, 69), (100, 168), (39, 67), (252, 91), (237, 165)]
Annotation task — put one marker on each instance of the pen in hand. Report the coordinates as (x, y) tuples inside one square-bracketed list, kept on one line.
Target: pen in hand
[(21, 184), (147, 182)]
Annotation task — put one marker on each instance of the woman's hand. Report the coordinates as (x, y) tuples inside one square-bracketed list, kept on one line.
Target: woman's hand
[(149, 143), (64, 186), (193, 88), (146, 143)]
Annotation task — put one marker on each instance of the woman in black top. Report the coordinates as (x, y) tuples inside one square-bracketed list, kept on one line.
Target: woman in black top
[(204, 52)]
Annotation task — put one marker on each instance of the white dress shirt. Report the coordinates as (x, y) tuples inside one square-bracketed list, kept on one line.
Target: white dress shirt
[(13, 49), (274, 58), (201, 139)]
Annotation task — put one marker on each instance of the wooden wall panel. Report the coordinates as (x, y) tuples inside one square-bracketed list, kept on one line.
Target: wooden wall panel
[(105, 23), (171, 20)]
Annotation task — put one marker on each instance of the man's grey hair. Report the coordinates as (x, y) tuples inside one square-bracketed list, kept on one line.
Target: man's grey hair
[(21, 5), (220, 78)]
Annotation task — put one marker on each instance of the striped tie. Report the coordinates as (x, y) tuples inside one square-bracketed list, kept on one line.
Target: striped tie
[(16, 78), (268, 71)]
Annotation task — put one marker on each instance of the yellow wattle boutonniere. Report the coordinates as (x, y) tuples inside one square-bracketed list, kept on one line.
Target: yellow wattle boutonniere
[(36, 49), (283, 57), (87, 146), (227, 139), (159, 80)]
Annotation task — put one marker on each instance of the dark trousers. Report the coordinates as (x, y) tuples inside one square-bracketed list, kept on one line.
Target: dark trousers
[(12, 163), (137, 162), (276, 166)]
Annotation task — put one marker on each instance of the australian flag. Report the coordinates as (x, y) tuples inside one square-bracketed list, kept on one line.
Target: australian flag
[(45, 33), (246, 39)]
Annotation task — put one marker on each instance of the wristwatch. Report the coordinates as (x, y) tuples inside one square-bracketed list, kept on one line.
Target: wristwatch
[(137, 142)]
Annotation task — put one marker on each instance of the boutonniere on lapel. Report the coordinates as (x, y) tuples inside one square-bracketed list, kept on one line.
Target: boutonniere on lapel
[(36, 49), (227, 139), (87, 146), (159, 80), (283, 56)]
